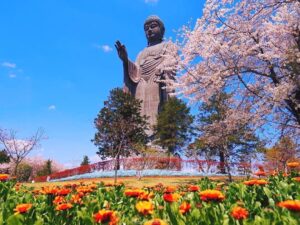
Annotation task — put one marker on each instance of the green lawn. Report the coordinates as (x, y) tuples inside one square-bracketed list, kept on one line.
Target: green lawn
[(133, 181)]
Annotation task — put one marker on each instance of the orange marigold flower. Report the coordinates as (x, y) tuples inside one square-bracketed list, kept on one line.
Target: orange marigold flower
[(76, 199), (84, 190), (260, 173), (209, 195), (168, 197), (144, 207), (93, 186), (193, 188), (296, 179), (285, 174), (255, 182), (22, 208), (239, 213), (184, 207), (261, 168), (4, 177), (49, 191), (293, 205), (145, 195), (58, 200), (170, 189), (133, 192), (106, 216), (155, 222), (64, 206), (63, 191), (293, 164)]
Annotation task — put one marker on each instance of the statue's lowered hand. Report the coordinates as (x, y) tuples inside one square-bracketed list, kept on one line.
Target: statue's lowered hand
[(122, 52)]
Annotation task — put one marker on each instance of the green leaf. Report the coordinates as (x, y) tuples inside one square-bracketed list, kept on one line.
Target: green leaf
[(15, 220)]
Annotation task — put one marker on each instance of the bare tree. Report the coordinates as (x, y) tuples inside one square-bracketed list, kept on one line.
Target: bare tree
[(18, 149)]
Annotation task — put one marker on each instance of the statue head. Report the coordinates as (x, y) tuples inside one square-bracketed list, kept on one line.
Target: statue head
[(154, 30)]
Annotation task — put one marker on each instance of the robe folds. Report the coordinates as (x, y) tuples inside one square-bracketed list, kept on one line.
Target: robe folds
[(148, 77)]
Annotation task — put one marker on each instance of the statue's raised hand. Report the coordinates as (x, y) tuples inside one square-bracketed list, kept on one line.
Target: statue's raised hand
[(122, 52)]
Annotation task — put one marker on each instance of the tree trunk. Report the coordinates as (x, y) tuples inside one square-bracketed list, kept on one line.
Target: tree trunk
[(16, 168), (117, 167), (222, 162)]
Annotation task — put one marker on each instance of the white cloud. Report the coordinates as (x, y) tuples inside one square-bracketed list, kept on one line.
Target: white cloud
[(52, 107), (151, 1), (12, 75), (104, 48), (9, 65)]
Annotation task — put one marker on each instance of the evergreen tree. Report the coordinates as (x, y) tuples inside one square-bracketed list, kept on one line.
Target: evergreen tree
[(85, 161), (4, 157), (121, 129), (174, 125), (47, 169)]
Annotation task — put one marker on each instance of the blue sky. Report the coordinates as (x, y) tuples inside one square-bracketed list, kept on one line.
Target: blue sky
[(58, 64)]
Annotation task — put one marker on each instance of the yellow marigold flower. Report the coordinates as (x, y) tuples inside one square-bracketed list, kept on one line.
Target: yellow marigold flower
[(4, 177), (155, 222), (211, 195), (144, 207), (106, 216), (239, 213), (22, 208), (293, 205), (293, 164), (64, 206)]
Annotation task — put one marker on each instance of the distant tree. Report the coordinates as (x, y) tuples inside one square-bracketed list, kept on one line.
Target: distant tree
[(216, 138), (38, 165), (24, 172), (85, 161), (174, 125), (283, 151), (4, 157), (18, 149), (120, 127), (46, 169)]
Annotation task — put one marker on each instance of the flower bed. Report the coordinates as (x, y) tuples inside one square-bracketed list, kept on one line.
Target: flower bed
[(274, 200)]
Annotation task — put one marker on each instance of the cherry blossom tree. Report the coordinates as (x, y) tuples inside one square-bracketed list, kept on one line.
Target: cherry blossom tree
[(251, 49), (18, 149)]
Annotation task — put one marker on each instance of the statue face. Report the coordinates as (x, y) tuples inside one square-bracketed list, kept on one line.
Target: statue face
[(153, 32)]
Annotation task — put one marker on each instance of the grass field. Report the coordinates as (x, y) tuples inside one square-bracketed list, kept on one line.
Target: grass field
[(133, 181)]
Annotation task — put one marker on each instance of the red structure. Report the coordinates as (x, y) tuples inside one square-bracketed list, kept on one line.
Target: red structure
[(141, 163)]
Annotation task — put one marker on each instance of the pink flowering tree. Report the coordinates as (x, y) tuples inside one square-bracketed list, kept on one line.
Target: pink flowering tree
[(251, 49), (18, 149)]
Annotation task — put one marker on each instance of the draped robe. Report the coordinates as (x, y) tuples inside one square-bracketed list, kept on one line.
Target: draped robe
[(146, 78)]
